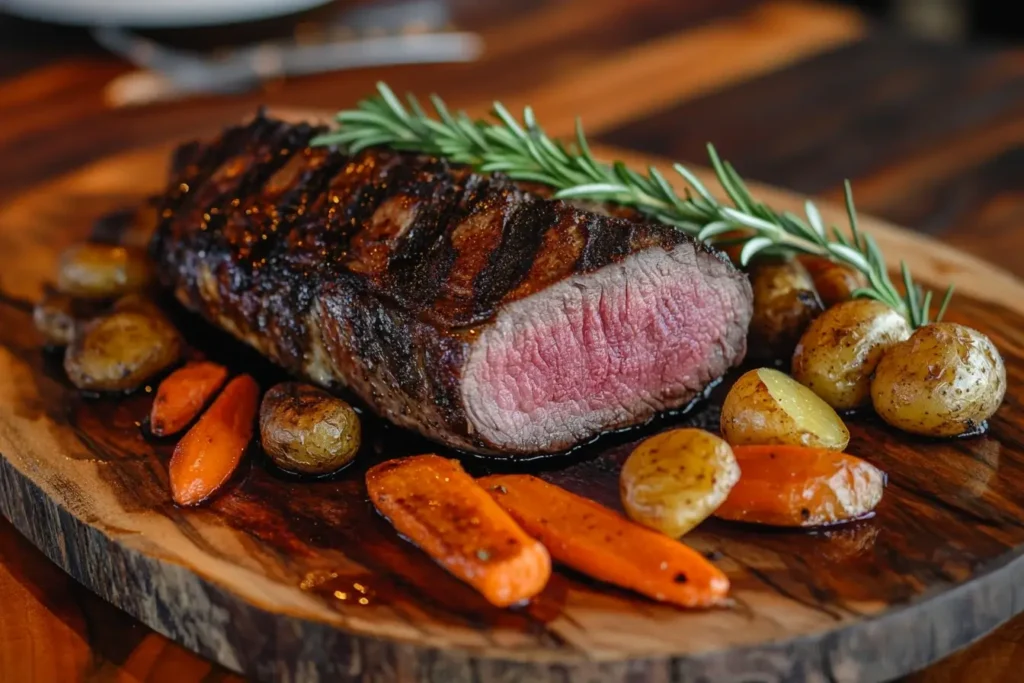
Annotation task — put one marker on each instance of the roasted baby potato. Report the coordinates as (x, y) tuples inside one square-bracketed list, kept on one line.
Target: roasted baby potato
[(766, 406), (58, 316), (837, 354), (946, 380), (675, 480), (120, 351), (835, 282), (304, 429), (55, 319), (785, 303), (102, 271), (137, 303)]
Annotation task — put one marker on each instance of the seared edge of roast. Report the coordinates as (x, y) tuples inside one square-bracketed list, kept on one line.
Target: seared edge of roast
[(375, 272)]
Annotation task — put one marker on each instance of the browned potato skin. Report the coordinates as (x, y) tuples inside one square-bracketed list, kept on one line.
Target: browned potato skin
[(839, 351), (752, 416), (785, 303), (304, 429), (674, 480), (946, 380), (54, 317), (58, 317), (137, 303), (102, 271), (835, 282), (120, 351)]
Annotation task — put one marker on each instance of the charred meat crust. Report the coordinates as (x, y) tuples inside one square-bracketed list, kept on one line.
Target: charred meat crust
[(375, 271)]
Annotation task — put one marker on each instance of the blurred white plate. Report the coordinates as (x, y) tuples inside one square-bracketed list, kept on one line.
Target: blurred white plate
[(154, 13)]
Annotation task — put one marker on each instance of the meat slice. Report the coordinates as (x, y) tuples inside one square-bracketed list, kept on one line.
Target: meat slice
[(466, 307)]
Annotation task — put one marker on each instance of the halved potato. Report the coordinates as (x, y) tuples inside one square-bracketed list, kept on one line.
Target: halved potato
[(766, 406), (675, 480)]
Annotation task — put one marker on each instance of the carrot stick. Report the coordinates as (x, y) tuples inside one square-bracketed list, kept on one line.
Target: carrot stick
[(182, 394), (209, 453), (605, 545), (800, 486), (431, 501)]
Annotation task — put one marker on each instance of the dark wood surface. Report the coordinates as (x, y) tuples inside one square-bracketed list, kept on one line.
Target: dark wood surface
[(797, 95), (276, 577)]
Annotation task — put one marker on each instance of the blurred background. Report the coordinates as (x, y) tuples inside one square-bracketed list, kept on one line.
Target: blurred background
[(950, 19), (249, 42), (799, 93), (920, 103)]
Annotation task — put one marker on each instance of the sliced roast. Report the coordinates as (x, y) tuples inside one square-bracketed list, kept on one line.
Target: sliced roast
[(466, 307)]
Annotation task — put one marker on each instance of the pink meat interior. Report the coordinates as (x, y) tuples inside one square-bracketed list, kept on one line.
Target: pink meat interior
[(606, 349)]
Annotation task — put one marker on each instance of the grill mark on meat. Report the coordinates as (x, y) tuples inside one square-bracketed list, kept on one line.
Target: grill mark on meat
[(286, 203), (236, 187), (243, 174), (555, 259), (260, 220), (465, 252), (354, 194), (384, 272), (426, 263), (297, 242), (243, 186), (525, 222), (408, 193), (607, 241), (204, 162)]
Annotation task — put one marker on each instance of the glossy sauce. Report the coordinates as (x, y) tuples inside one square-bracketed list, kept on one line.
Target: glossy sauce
[(323, 535)]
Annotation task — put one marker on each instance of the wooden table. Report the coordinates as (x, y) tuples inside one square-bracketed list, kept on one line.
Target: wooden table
[(798, 94)]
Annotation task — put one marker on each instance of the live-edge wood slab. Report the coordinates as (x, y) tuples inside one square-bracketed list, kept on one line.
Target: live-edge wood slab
[(299, 580)]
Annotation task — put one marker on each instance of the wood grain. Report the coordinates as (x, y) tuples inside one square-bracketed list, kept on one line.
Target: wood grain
[(53, 629), (958, 180), (253, 581)]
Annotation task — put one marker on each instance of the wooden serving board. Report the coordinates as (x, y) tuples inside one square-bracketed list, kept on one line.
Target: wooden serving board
[(297, 580)]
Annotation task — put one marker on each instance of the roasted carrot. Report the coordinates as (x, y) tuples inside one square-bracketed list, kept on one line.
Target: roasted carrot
[(603, 544), (182, 394), (835, 282), (209, 453), (800, 486), (431, 501)]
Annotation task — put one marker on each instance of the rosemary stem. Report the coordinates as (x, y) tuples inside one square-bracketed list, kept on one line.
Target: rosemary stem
[(521, 150)]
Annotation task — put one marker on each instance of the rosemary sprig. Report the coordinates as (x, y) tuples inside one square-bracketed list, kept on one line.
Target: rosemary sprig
[(521, 150)]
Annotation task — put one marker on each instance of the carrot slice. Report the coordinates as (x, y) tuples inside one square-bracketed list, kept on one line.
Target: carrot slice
[(433, 502), (209, 453), (182, 394), (605, 545), (800, 486)]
